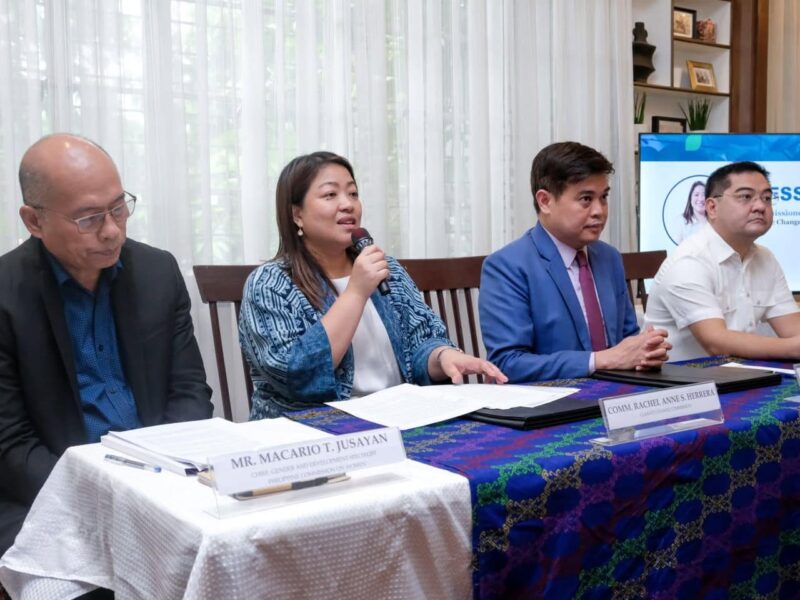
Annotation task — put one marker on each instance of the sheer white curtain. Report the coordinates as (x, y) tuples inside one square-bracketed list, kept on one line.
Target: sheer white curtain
[(783, 79), (440, 105)]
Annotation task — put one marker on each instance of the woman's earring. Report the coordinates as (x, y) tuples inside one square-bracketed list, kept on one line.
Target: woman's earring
[(299, 231)]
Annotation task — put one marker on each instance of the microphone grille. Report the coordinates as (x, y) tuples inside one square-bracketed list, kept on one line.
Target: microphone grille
[(359, 234)]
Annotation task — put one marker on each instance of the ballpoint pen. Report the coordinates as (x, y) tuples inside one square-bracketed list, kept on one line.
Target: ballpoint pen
[(127, 462), (295, 485)]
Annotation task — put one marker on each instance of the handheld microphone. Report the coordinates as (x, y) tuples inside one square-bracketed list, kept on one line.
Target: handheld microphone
[(362, 239)]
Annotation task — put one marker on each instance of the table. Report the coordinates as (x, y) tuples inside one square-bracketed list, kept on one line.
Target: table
[(711, 513), (399, 531)]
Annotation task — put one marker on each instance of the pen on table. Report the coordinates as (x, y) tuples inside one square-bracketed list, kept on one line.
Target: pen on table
[(121, 460), (295, 485)]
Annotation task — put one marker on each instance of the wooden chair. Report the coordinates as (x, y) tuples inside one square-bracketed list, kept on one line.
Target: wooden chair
[(638, 267), (447, 285), (224, 283)]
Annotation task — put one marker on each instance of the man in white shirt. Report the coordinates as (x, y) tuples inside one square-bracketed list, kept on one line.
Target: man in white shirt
[(716, 288)]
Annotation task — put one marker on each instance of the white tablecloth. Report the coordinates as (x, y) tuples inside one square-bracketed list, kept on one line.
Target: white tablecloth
[(399, 531)]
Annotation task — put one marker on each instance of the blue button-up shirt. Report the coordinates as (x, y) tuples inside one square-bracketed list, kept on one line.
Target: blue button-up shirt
[(106, 399)]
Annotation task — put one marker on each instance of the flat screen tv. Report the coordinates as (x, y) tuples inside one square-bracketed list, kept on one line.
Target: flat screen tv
[(672, 167)]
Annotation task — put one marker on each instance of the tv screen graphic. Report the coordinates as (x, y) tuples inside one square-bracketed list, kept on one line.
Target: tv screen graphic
[(673, 169)]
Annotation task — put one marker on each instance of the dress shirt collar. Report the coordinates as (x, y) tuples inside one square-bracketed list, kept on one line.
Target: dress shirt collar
[(62, 276), (720, 249), (567, 253)]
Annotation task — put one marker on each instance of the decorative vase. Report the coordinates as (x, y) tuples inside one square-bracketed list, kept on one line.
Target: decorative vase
[(707, 30), (642, 54)]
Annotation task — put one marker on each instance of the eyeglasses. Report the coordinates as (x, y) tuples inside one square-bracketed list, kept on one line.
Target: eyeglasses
[(748, 198), (94, 222)]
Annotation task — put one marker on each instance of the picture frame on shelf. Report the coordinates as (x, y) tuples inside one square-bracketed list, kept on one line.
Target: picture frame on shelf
[(684, 22), (701, 76), (668, 125)]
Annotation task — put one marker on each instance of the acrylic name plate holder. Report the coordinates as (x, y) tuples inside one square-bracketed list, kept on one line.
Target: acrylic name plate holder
[(644, 415), (271, 477), (796, 369)]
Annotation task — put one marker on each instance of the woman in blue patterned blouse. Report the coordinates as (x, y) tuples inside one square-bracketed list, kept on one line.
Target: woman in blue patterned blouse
[(313, 326)]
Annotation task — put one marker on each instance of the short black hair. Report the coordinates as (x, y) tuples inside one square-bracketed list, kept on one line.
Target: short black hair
[(34, 184), (564, 163), (720, 180), (293, 184)]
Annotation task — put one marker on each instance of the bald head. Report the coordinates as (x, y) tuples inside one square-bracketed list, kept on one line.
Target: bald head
[(64, 179), (57, 163)]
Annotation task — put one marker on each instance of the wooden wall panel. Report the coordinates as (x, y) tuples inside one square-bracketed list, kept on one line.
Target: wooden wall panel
[(749, 42)]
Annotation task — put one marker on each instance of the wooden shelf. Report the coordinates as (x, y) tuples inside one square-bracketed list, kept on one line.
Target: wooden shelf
[(694, 42), (670, 87), (680, 91)]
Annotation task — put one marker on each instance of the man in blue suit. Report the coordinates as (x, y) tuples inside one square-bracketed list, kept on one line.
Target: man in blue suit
[(554, 304)]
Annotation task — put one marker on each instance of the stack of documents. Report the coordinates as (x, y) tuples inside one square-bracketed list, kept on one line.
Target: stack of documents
[(729, 379), (185, 448), (407, 406)]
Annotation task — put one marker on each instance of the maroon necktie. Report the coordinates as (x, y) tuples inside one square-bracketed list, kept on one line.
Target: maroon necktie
[(593, 315)]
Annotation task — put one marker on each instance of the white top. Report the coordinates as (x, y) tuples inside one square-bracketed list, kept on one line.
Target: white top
[(684, 230), (569, 256), (704, 278), (375, 365)]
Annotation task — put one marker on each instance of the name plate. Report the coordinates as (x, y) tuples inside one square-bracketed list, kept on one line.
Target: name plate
[(667, 410), (305, 461), (796, 369)]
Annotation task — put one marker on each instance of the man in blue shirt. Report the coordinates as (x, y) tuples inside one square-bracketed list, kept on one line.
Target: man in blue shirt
[(95, 330)]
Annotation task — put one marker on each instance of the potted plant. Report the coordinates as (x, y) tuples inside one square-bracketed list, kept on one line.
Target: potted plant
[(639, 103), (697, 113)]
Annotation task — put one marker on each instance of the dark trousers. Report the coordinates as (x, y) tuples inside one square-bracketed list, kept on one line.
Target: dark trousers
[(12, 515), (98, 594)]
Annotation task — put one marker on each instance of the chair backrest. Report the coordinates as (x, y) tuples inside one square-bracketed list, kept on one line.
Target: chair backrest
[(638, 267), (447, 285), (224, 283)]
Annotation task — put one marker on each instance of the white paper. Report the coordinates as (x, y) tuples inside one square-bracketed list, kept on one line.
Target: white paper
[(195, 441), (407, 406), (770, 369), (276, 432), (504, 396)]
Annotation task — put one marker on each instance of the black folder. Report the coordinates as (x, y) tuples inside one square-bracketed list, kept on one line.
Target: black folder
[(569, 409), (728, 379), (563, 410)]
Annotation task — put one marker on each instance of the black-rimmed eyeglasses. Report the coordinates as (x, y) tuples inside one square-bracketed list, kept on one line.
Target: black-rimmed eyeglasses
[(748, 198), (93, 223)]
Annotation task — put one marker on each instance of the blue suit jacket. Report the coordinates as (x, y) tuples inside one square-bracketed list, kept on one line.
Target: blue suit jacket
[(532, 324)]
